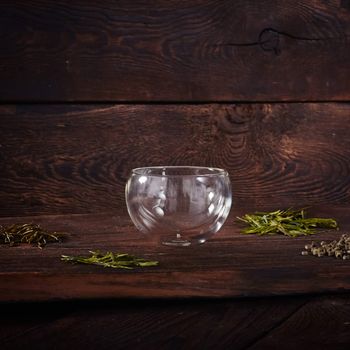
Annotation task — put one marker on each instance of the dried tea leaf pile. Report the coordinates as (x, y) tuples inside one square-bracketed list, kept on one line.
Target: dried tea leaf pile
[(292, 223), (339, 249), (109, 259), (27, 233)]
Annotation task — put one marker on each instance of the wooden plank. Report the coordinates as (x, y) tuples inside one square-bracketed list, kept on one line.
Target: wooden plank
[(174, 51), (146, 324), (229, 265), (76, 159), (17, 320), (321, 324)]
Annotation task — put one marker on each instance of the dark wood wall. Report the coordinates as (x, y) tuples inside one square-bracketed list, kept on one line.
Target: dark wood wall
[(91, 89)]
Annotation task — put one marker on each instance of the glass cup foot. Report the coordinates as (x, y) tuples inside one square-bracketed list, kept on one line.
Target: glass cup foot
[(177, 242)]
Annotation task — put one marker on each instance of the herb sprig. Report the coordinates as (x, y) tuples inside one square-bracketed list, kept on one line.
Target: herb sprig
[(110, 259), (28, 233), (292, 223)]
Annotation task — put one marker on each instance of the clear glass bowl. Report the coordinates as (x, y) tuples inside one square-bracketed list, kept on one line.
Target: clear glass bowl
[(179, 205)]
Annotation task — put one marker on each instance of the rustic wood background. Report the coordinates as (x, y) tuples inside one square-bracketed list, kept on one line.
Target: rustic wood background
[(76, 158), (90, 90), (174, 50)]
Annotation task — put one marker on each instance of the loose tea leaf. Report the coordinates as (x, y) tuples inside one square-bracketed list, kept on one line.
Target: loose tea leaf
[(27, 233), (289, 222), (109, 259), (339, 249)]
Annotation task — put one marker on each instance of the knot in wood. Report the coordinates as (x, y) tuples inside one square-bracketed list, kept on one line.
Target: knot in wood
[(269, 40)]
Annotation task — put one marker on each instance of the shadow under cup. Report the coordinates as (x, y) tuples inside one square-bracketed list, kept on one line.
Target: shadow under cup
[(179, 205)]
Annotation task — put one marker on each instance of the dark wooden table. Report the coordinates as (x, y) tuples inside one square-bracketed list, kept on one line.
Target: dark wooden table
[(235, 291), (92, 89)]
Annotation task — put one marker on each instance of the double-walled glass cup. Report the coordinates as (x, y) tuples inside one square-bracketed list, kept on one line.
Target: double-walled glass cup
[(179, 205)]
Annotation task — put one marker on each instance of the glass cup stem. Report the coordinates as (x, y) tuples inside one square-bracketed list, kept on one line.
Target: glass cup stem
[(178, 241)]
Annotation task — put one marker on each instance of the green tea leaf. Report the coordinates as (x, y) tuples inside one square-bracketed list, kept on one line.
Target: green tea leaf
[(109, 259), (292, 223), (28, 233)]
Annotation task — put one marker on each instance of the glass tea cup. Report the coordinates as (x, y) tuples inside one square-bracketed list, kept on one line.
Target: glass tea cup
[(178, 205)]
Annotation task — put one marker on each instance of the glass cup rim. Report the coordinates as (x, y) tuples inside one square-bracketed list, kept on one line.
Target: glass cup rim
[(212, 171)]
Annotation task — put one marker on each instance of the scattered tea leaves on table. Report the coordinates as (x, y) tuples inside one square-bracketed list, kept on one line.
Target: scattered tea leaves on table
[(28, 233), (292, 223), (339, 249), (110, 259)]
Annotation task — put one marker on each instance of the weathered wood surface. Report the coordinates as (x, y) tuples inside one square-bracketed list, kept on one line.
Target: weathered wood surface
[(323, 323), (265, 323), (174, 50), (76, 159), (218, 324), (229, 265)]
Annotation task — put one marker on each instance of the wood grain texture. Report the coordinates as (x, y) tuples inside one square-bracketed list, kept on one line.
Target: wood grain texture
[(76, 159), (18, 320), (218, 324), (323, 323), (228, 265), (212, 50)]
